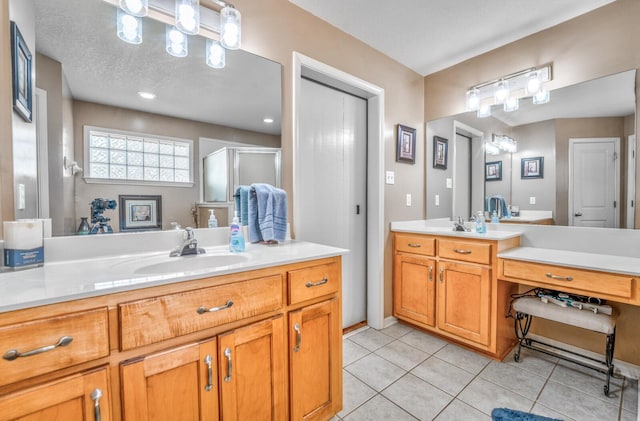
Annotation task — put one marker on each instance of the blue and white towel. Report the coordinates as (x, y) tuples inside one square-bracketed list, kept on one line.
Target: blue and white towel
[(267, 213), (242, 204), (491, 202)]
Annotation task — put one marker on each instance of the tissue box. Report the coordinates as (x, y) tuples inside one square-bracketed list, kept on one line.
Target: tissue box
[(23, 243)]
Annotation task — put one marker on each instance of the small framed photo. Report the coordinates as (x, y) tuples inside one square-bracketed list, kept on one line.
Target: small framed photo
[(493, 171), (440, 152), (21, 68), (532, 167), (140, 213), (406, 144)]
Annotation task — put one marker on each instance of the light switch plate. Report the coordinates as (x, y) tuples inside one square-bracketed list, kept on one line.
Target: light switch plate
[(532, 200), (22, 197), (390, 177), (449, 183), (408, 199), (437, 200)]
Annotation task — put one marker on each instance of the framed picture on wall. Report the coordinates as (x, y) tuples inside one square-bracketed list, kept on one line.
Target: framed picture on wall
[(140, 213), (406, 144), (21, 69), (440, 152), (493, 171), (532, 167)]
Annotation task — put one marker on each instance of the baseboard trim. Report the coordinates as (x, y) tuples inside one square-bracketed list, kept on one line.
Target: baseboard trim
[(388, 321)]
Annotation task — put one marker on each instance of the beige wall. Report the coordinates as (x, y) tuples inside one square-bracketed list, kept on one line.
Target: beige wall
[(177, 202)]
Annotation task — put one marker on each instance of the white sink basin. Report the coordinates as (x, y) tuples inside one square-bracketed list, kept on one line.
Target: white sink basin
[(192, 263)]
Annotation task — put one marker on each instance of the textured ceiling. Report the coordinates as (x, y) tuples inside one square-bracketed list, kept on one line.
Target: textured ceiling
[(430, 35), (99, 67)]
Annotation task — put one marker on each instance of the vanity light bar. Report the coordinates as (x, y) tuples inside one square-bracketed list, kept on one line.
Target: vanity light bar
[(487, 93)]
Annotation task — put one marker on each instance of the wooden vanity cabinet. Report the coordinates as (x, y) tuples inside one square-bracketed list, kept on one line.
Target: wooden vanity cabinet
[(449, 286), (207, 349)]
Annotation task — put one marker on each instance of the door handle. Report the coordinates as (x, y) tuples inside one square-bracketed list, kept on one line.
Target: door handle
[(577, 214)]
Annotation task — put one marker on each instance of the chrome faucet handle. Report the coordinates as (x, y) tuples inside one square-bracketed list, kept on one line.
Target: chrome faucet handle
[(189, 235)]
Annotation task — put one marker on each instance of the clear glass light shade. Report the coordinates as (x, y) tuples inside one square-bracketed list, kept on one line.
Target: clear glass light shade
[(129, 27), (491, 149), (230, 28), (177, 43), (473, 99), (139, 8), (188, 16), (511, 104), (541, 97), (501, 92), (484, 111), (533, 83), (215, 54)]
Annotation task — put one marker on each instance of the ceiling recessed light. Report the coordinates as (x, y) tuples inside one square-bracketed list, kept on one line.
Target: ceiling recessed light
[(147, 95), (268, 120)]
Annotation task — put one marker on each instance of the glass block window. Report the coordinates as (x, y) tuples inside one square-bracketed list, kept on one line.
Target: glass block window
[(115, 156)]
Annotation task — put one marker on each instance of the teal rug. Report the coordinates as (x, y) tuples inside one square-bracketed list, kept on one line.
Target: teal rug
[(505, 414)]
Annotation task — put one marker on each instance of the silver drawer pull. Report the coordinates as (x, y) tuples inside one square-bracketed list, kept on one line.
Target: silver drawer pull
[(316, 284), (460, 251), (208, 360), (415, 245), (202, 310), (296, 327), (95, 397), (441, 275), (227, 353), (430, 273), (562, 278), (13, 354)]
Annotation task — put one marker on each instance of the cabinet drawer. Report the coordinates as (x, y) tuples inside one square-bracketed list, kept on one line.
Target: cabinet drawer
[(152, 320), (416, 244), (465, 251), (89, 333), (570, 279), (308, 283)]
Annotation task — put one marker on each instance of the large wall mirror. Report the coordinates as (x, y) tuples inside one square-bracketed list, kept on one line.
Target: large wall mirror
[(585, 136), (87, 76)]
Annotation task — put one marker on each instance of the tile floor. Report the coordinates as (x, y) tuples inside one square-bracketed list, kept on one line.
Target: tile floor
[(400, 373)]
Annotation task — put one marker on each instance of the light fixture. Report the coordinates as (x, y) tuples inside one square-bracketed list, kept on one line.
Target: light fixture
[(146, 95), (484, 111), (177, 43), (129, 27), (215, 54), (188, 16), (504, 143), (139, 8), (230, 29), (512, 103), (72, 165), (501, 92), (491, 149), (511, 88), (222, 29)]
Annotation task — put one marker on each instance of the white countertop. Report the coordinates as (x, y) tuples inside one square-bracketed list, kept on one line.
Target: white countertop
[(70, 280), (591, 261), (439, 227)]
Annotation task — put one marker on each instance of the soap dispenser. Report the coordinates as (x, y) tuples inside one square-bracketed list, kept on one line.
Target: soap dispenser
[(494, 218), (236, 240), (481, 226), (213, 222)]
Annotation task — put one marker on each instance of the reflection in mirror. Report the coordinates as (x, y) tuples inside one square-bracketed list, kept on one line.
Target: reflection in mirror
[(87, 76), (600, 109)]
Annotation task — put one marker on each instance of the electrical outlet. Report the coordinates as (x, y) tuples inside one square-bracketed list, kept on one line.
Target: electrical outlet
[(408, 199), (437, 200), (532, 200), (390, 177)]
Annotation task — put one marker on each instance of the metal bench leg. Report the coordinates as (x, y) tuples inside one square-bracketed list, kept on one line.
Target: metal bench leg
[(611, 342), (522, 324)]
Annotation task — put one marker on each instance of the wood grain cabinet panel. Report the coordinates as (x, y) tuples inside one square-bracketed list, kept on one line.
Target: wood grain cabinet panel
[(313, 282), (152, 320), (415, 244), (89, 340), (465, 251), (414, 288)]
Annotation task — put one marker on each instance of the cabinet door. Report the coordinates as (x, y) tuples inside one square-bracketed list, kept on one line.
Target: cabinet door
[(177, 384), (464, 298), (414, 289), (83, 396), (252, 372), (315, 350)]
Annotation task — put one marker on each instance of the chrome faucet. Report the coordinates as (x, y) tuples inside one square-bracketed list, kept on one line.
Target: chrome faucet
[(189, 245), (458, 225)]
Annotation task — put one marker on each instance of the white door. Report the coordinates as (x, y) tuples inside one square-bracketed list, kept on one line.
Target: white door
[(594, 180), (331, 187), (631, 181), (462, 177)]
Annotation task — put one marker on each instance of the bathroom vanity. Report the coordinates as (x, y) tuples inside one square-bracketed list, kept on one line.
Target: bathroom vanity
[(458, 284), (126, 338)]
